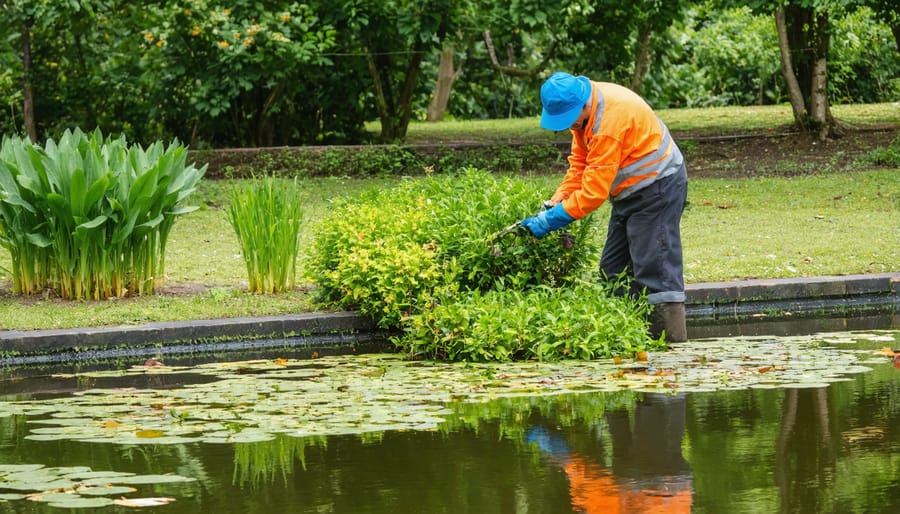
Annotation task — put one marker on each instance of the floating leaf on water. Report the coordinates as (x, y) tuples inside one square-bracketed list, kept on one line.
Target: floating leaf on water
[(153, 479), (40, 484), (48, 497), (143, 502), (108, 490), (109, 476), (149, 434), (76, 502)]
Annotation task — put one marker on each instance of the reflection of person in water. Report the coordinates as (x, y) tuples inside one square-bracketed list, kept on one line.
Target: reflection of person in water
[(649, 473)]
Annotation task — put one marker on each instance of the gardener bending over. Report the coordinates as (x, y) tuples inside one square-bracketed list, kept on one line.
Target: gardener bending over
[(623, 152)]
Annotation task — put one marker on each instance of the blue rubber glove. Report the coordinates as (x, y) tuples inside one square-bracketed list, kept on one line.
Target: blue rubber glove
[(545, 221)]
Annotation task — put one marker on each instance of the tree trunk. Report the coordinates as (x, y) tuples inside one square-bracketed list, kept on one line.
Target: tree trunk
[(447, 75), (27, 90), (404, 104), (818, 102), (895, 28), (395, 113), (806, 54), (642, 56), (381, 99), (798, 104)]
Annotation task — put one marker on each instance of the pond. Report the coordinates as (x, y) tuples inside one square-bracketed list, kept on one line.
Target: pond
[(751, 424)]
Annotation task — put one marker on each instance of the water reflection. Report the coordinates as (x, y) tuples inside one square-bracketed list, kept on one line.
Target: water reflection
[(805, 453), (648, 472), (821, 449)]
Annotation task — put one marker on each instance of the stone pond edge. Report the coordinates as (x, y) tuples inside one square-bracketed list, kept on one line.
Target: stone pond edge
[(707, 304)]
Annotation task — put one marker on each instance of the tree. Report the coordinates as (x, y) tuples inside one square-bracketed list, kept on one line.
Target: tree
[(394, 37), (237, 75), (804, 38), (601, 28), (889, 12), (20, 17)]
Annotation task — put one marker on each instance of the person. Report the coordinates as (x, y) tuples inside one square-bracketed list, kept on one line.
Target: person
[(623, 152)]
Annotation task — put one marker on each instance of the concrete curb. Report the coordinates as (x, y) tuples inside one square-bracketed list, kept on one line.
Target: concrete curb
[(713, 302), (707, 304)]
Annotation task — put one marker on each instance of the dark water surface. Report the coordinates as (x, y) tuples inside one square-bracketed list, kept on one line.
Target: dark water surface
[(833, 449)]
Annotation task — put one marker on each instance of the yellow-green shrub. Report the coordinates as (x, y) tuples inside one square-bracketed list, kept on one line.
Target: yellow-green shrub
[(420, 258)]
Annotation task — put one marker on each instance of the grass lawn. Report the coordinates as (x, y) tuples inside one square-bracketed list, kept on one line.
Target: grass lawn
[(834, 223)]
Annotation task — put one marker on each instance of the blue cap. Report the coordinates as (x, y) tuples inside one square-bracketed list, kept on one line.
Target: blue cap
[(563, 96)]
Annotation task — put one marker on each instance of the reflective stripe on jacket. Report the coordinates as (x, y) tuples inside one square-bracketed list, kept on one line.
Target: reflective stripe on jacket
[(624, 147)]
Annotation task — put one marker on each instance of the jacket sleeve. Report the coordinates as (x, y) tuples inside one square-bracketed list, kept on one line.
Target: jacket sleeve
[(588, 186), (577, 159)]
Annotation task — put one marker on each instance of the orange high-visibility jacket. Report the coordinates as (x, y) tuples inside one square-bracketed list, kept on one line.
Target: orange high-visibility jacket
[(623, 148)]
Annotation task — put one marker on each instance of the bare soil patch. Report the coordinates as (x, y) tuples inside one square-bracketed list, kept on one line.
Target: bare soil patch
[(780, 153)]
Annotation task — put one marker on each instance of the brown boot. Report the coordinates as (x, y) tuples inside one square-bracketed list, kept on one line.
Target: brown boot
[(668, 317)]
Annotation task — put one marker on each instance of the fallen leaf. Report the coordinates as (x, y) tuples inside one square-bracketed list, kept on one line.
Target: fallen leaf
[(725, 206), (641, 356), (111, 424), (143, 502), (149, 434), (281, 362)]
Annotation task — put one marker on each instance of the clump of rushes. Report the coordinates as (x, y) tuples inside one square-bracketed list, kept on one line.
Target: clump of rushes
[(420, 258), (266, 215), (89, 217)]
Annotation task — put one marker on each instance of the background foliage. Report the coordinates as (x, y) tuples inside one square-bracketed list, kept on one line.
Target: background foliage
[(249, 73)]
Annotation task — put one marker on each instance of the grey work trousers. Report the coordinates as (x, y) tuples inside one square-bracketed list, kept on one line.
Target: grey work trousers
[(643, 240)]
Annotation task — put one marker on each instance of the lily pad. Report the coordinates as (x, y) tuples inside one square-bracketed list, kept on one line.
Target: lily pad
[(112, 490), (252, 401), (153, 479), (73, 487), (81, 503)]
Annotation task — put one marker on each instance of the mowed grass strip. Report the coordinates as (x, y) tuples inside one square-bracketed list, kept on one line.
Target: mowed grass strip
[(826, 224), (769, 227)]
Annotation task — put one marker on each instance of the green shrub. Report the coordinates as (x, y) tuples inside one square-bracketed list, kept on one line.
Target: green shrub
[(884, 156), (379, 161), (90, 217), (581, 321), (421, 258), (266, 215)]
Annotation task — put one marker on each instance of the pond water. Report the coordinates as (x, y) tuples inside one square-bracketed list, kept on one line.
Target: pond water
[(746, 424)]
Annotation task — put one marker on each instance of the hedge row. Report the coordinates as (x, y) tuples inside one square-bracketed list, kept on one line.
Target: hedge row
[(380, 160)]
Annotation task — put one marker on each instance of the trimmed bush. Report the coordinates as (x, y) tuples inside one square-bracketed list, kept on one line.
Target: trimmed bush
[(421, 258)]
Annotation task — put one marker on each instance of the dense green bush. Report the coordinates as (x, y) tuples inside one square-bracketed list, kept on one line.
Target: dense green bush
[(582, 320), (381, 160), (422, 258), (89, 217)]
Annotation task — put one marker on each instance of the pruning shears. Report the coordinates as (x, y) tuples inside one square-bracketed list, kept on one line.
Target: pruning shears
[(515, 229)]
